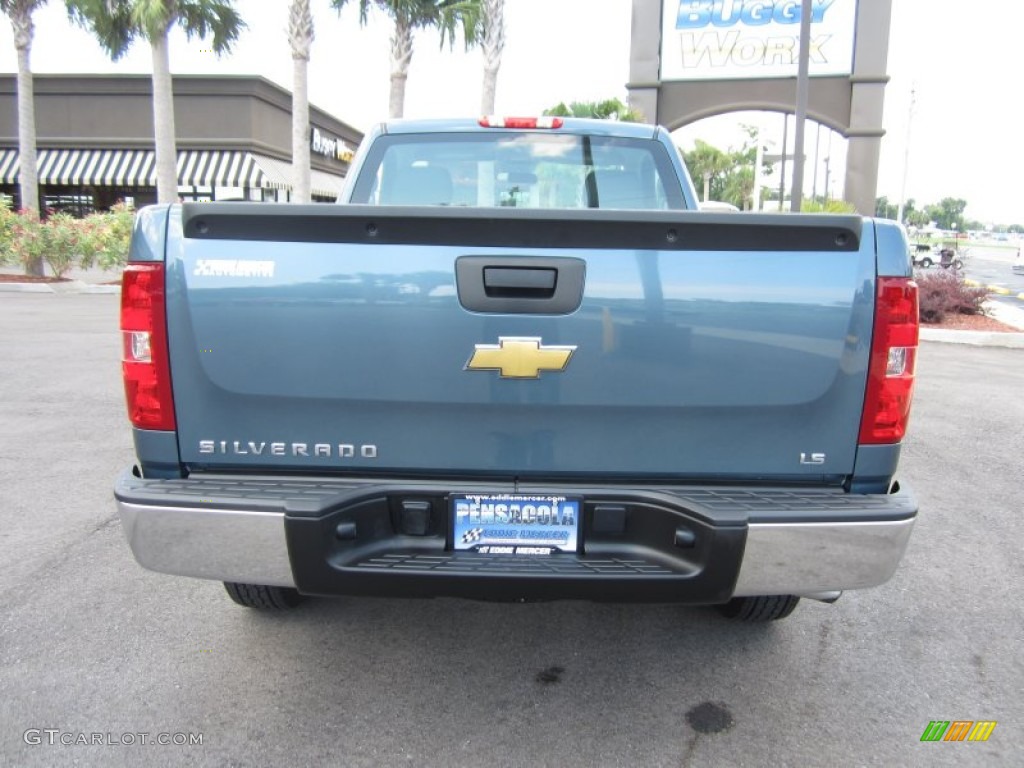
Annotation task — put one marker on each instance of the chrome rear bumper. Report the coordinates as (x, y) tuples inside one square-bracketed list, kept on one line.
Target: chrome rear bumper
[(807, 558), (224, 545), (200, 537)]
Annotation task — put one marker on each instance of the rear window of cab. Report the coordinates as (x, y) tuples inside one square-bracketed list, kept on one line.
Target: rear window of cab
[(519, 169)]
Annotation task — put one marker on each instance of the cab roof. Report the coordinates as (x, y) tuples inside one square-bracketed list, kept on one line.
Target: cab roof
[(570, 125)]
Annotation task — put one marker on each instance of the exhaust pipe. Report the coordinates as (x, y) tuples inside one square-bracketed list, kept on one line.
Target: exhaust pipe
[(824, 597)]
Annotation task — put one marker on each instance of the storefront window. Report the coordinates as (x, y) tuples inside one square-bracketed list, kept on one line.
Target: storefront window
[(78, 205)]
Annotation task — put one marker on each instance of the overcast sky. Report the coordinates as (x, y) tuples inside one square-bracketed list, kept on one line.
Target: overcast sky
[(963, 59)]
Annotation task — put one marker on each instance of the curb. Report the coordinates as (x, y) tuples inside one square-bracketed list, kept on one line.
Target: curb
[(1005, 313), (997, 289), (70, 286), (974, 338), (26, 288)]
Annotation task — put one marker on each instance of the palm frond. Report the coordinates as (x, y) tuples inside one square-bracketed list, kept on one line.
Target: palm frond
[(110, 21), (117, 23), (450, 15), (364, 8), (205, 18)]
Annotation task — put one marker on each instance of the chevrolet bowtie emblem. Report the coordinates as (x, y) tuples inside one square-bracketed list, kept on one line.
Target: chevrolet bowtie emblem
[(519, 358)]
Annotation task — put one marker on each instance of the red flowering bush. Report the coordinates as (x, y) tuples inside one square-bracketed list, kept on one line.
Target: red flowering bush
[(945, 292)]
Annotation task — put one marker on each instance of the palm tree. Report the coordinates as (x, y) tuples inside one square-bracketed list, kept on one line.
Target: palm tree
[(118, 23), (609, 109), (493, 44), (409, 15), (708, 163), (20, 14), (300, 38), (739, 188)]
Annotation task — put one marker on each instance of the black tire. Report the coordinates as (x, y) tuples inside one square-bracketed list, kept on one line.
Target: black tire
[(759, 608), (926, 262), (263, 597)]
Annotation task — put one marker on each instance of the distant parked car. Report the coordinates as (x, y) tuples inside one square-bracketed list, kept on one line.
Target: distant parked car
[(717, 205), (923, 255)]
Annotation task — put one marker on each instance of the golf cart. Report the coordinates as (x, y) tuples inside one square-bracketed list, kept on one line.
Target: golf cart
[(946, 255)]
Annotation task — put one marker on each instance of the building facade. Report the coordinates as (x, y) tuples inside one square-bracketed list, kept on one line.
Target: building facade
[(94, 138)]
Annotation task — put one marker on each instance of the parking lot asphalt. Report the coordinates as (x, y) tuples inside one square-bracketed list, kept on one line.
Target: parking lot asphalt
[(94, 648)]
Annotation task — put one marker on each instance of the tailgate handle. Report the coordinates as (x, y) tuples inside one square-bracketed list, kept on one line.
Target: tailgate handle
[(520, 281), (526, 285)]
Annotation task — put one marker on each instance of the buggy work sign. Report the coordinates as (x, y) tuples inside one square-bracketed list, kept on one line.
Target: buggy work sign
[(739, 39)]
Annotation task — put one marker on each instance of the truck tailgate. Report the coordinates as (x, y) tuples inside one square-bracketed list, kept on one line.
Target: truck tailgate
[(718, 347)]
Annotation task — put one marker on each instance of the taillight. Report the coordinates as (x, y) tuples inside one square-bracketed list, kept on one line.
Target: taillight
[(147, 372), (893, 358), (493, 121)]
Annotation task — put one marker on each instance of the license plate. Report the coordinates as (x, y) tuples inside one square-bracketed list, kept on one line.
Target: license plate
[(510, 524)]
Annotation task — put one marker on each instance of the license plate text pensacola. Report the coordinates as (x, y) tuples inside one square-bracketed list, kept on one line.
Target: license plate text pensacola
[(515, 524)]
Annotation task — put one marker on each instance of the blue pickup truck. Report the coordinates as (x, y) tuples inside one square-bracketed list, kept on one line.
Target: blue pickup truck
[(518, 363)]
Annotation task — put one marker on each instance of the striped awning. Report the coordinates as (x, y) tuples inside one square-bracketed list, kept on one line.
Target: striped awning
[(94, 167), (9, 166), (325, 184), (137, 168), (203, 168), (99, 167), (276, 174)]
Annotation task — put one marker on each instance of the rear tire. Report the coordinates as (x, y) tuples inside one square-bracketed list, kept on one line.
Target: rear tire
[(263, 597), (759, 608), (925, 262)]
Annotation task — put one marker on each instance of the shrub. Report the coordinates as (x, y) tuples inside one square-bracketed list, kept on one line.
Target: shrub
[(60, 238), (28, 244), (105, 237), (63, 241), (54, 240), (7, 217), (945, 292), (119, 223)]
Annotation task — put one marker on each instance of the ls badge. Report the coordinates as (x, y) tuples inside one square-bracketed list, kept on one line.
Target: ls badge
[(519, 357)]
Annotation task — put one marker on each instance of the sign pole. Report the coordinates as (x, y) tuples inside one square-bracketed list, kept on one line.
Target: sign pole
[(802, 82), (758, 162)]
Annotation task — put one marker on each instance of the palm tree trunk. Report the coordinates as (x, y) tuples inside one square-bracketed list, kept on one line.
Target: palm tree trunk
[(300, 131), (401, 57), (28, 179), (300, 36), (163, 122), (493, 46)]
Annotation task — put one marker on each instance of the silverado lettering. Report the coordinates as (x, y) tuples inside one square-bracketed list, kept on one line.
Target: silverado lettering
[(316, 450)]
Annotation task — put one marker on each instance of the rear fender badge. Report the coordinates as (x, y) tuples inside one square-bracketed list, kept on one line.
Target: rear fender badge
[(519, 357)]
